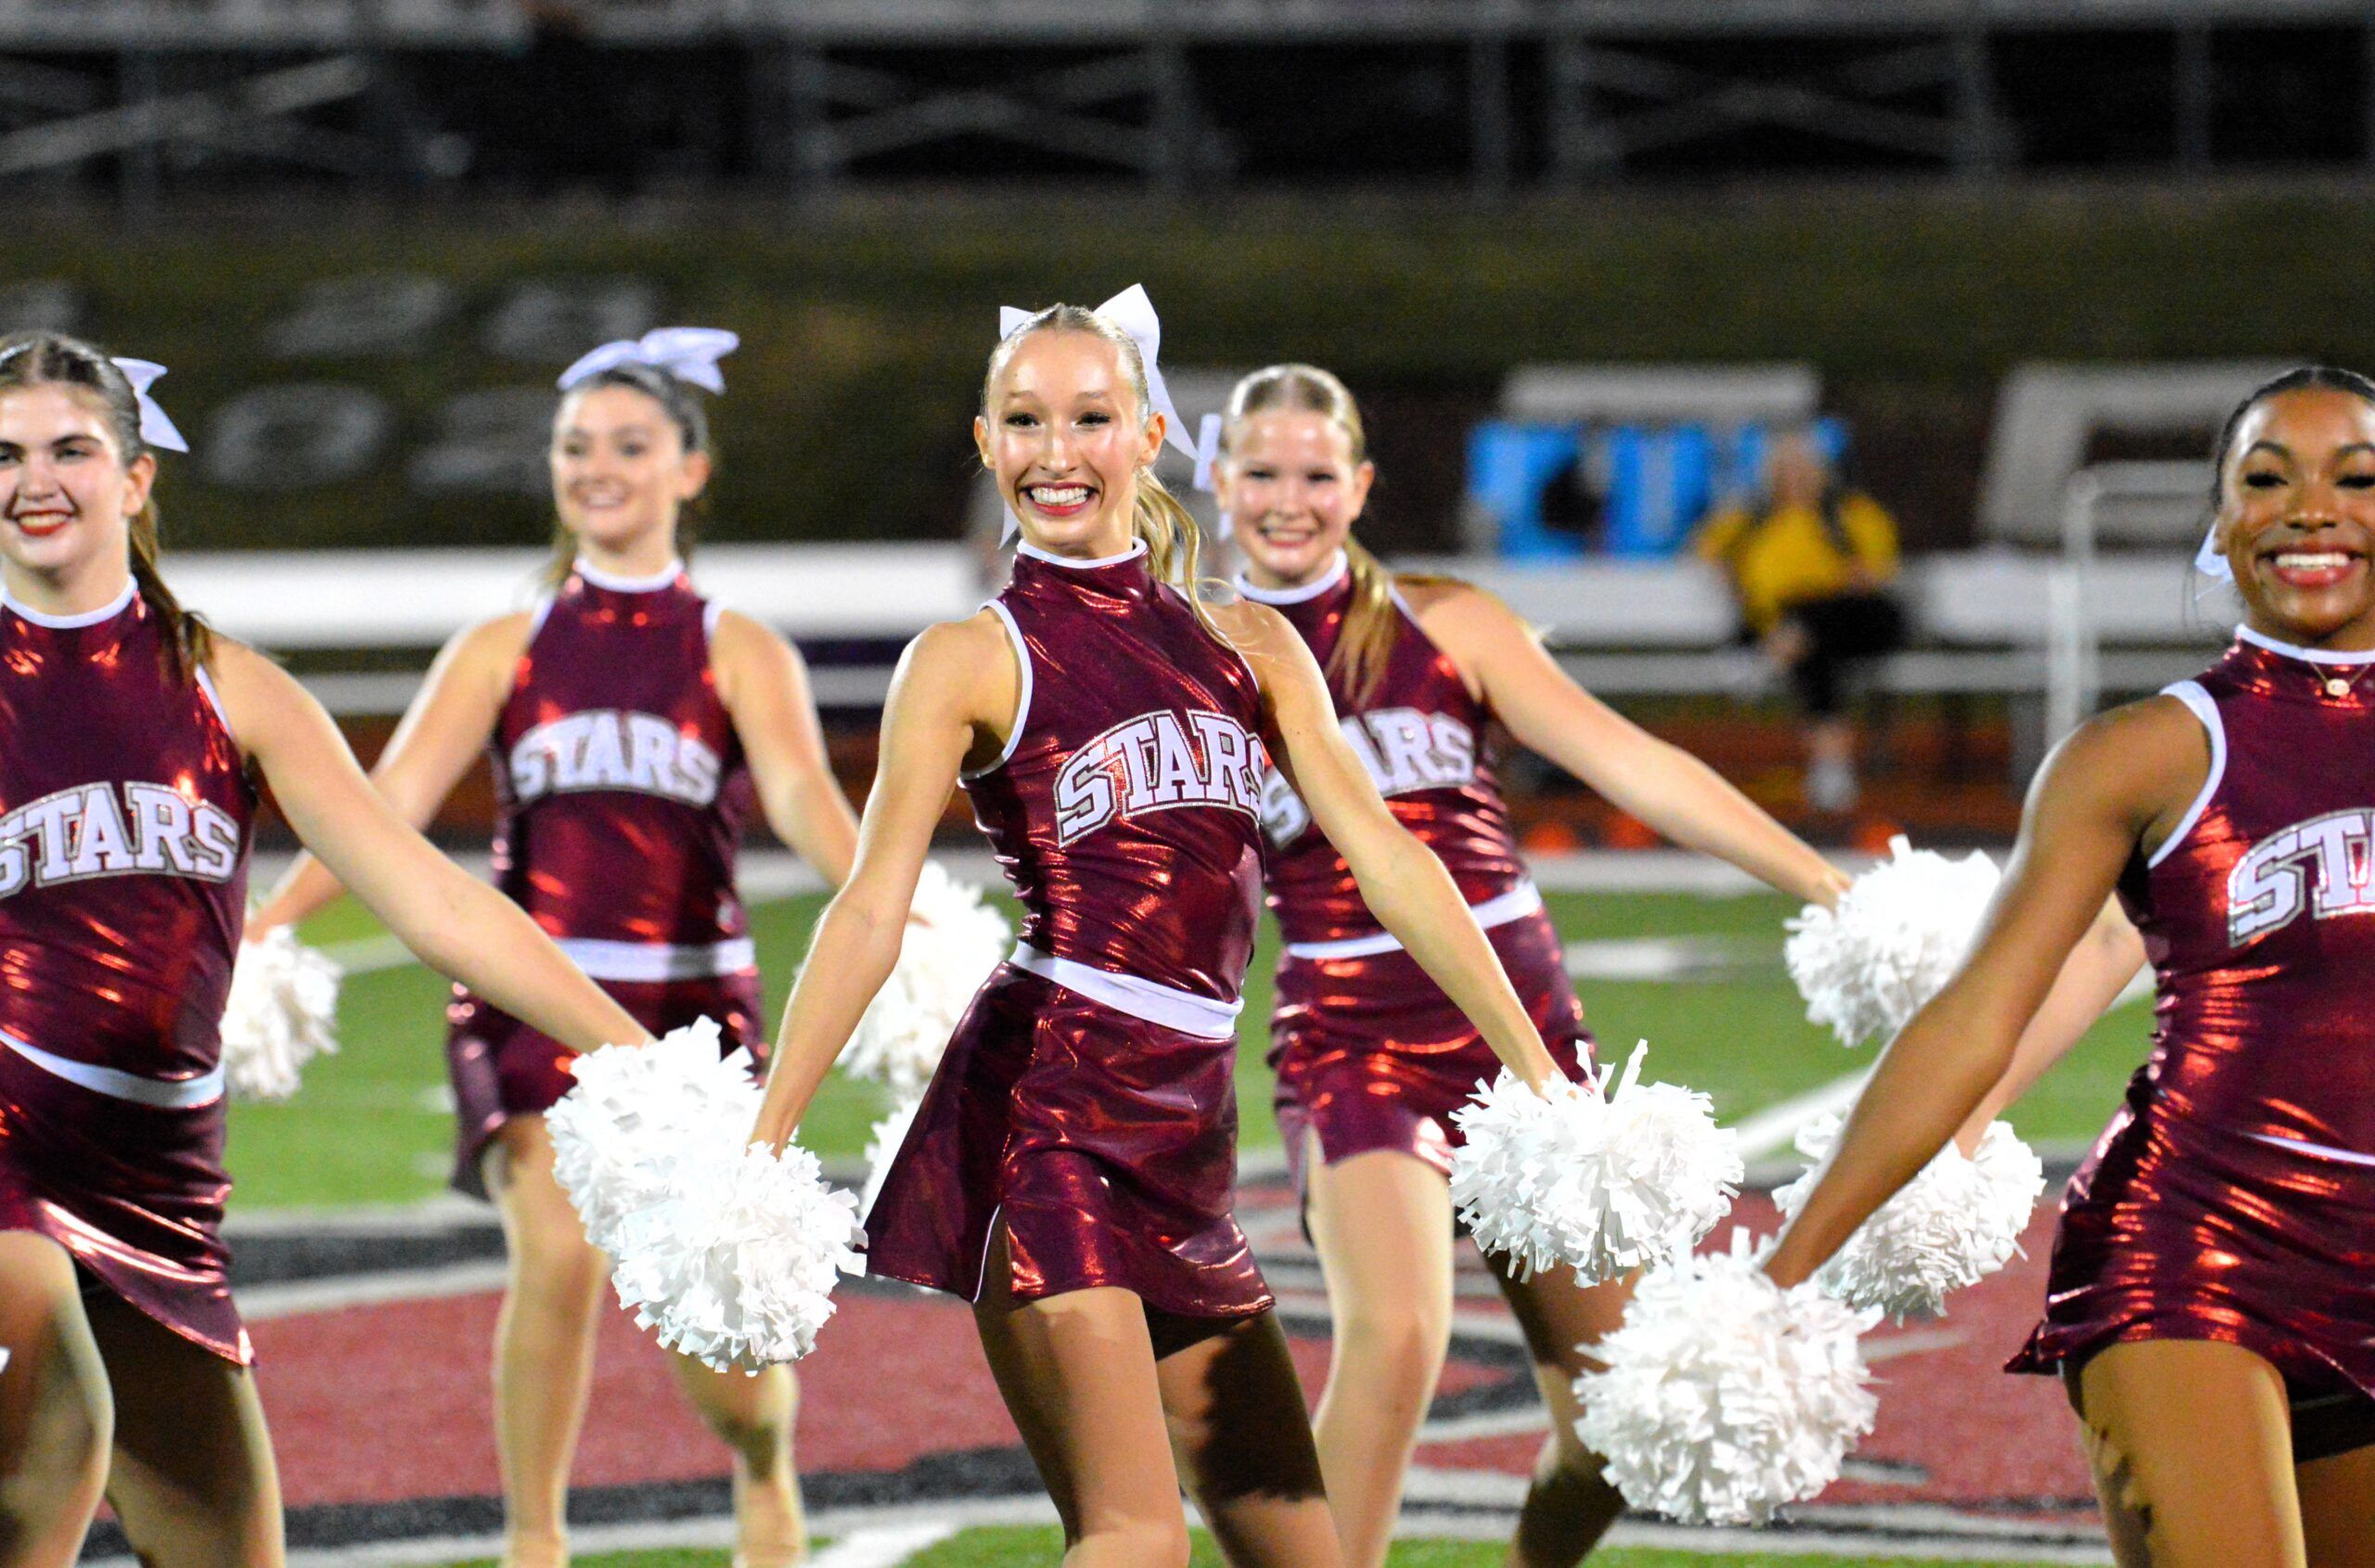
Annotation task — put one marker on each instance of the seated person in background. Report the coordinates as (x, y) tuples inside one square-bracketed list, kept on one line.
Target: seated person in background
[(1809, 561)]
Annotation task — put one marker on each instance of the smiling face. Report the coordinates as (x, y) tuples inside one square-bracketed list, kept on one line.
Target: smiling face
[(1062, 433), (620, 472), (1292, 489), (65, 494), (2296, 517)]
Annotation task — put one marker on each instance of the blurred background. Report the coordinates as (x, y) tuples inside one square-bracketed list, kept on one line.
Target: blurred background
[(1620, 285)]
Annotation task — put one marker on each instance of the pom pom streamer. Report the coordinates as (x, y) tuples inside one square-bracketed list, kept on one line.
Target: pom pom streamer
[(1897, 935), (1602, 1182), (949, 947), (1951, 1226), (282, 1012), (734, 1260), (1724, 1396), (633, 1114), (728, 1252)]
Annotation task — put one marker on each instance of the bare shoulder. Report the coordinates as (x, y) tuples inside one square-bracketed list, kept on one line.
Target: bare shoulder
[(738, 633), (2142, 762), (1256, 631), (258, 698), (498, 643), (1452, 602)]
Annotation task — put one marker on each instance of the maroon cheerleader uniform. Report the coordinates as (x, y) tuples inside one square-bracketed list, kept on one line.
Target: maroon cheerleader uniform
[(621, 789), (1369, 1052), (1085, 1099), (2232, 1197), (124, 815)]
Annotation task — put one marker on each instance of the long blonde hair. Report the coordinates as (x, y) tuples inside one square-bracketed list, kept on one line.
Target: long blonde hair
[(1371, 625), (34, 359), (1174, 545)]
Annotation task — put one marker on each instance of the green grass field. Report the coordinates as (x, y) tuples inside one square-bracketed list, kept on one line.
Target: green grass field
[(369, 1125)]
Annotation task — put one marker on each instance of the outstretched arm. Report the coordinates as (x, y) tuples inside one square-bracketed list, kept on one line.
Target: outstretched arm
[(2098, 971), (2107, 787), (765, 687), (1660, 783), (459, 925), (1401, 881), (449, 720), (955, 685)]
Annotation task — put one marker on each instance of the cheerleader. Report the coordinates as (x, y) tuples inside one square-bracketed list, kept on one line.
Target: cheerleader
[(2208, 1307), (1070, 1169), (627, 720), (1371, 1058), (130, 742)]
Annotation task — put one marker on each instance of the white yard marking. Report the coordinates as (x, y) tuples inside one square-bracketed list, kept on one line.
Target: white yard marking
[(884, 1547), (1769, 1131)]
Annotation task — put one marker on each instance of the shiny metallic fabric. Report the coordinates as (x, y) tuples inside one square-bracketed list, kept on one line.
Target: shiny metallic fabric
[(2232, 1197)]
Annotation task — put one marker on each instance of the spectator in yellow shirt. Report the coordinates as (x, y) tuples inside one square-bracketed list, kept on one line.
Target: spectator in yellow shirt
[(1809, 562)]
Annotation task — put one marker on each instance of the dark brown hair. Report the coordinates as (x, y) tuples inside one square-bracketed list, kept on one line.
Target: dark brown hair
[(35, 359)]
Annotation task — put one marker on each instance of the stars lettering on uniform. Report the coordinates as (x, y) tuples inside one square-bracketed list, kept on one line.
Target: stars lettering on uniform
[(1154, 763), (605, 749), (105, 828)]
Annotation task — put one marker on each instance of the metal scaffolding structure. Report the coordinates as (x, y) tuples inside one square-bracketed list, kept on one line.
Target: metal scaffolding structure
[(1555, 92)]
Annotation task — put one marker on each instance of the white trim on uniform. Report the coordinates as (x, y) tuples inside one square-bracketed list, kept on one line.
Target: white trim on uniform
[(2317, 1151), (1137, 547), (1152, 1000), (1303, 595), (1022, 696), (182, 1093), (658, 961), (1499, 910), (215, 699), (2198, 702), (664, 577), (2312, 655), (107, 612)]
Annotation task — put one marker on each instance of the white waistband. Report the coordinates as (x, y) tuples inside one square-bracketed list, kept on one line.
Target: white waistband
[(166, 1095), (660, 960), (1499, 910), (1156, 1003)]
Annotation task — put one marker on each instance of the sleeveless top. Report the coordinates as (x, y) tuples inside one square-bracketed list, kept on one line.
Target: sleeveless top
[(1123, 808), (1421, 738), (2259, 913), (620, 783), (125, 812)]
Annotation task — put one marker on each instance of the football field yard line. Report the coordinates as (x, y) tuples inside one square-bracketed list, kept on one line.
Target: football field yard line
[(1769, 1131), (884, 1547)]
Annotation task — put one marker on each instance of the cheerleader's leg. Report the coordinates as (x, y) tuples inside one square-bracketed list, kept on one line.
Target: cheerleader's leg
[(1381, 1224), (2190, 1441), (1077, 1372), (2338, 1509), (192, 1478), (1242, 1440), (544, 1341), (753, 1416), (1570, 1504), (56, 1411)]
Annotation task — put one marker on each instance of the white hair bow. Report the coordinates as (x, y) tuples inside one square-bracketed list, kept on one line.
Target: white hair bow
[(2210, 561), (1134, 313), (689, 354), (155, 429)]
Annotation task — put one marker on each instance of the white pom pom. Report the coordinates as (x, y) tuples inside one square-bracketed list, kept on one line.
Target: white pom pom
[(1602, 1184), (282, 1012), (735, 1260), (1951, 1226), (619, 1133), (1895, 938), (1724, 1396), (949, 948), (882, 1145)]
